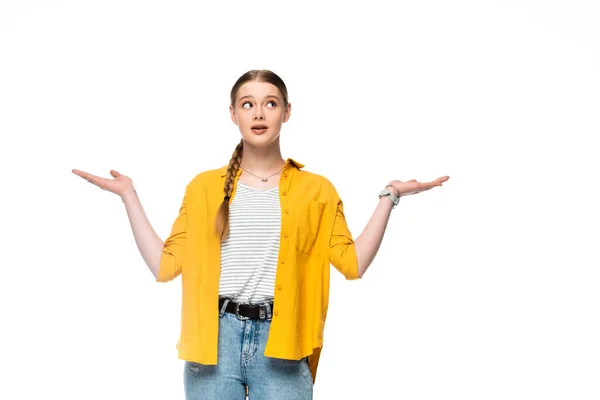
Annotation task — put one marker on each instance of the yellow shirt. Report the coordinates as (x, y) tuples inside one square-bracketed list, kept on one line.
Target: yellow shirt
[(314, 234)]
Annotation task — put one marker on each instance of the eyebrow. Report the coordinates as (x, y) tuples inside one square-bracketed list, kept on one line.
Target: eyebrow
[(251, 97)]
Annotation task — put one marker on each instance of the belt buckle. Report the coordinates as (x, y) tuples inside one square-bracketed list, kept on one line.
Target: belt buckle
[(237, 312)]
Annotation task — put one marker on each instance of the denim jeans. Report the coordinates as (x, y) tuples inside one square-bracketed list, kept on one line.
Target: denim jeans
[(241, 362)]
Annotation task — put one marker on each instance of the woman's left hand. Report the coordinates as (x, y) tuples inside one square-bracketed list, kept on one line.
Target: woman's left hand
[(414, 187)]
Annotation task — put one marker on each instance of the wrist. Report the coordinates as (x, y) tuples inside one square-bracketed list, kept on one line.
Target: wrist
[(393, 189), (127, 193), (390, 193)]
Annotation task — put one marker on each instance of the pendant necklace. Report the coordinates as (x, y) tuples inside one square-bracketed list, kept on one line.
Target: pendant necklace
[(261, 178)]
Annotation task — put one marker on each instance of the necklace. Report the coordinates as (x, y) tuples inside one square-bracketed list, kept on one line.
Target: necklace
[(261, 178)]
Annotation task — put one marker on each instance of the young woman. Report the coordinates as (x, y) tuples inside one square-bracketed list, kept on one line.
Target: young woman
[(253, 243)]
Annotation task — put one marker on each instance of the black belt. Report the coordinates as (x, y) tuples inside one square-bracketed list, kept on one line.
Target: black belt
[(246, 311)]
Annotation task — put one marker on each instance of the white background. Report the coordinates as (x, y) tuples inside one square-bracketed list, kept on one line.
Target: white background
[(485, 288)]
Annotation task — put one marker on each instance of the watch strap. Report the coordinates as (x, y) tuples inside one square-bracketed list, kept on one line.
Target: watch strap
[(389, 194)]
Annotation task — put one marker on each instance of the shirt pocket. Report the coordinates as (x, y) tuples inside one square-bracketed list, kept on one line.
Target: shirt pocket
[(308, 224)]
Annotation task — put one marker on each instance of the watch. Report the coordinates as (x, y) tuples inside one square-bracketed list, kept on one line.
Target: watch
[(391, 196)]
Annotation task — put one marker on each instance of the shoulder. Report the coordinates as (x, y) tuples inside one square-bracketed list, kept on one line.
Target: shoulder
[(312, 181), (313, 177), (208, 178)]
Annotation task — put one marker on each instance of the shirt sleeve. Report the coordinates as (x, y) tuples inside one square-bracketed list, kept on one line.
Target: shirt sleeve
[(342, 250), (172, 254)]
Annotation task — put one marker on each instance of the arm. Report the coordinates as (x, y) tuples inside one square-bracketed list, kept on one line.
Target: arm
[(342, 249), (171, 257), (368, 242), (163, 259), (148, 242), (353, 257)]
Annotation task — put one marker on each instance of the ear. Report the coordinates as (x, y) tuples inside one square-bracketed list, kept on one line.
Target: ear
[(287, 113), (232, 112)]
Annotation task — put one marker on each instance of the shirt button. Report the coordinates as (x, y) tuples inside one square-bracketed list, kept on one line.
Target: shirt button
[(285, 174), (283, 261), (278, 287), (286, 211), (276, 313), (285, 235), (284, 193)]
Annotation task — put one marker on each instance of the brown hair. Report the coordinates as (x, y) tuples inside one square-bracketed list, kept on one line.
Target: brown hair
[(262, 75)]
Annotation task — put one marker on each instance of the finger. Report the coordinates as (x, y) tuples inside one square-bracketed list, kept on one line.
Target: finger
[(115, 174), (93, 179), (437, 182), (83, 174), (421, 187), (428, 185)]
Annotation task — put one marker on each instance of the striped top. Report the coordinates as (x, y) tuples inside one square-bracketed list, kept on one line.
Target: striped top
[(250, 252)]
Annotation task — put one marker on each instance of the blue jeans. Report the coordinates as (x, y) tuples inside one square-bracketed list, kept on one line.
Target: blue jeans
[(241, 362)]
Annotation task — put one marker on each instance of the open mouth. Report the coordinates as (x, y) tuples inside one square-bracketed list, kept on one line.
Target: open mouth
[(259, 129)]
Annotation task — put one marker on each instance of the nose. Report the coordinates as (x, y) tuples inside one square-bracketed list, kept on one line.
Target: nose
[(258, 113)]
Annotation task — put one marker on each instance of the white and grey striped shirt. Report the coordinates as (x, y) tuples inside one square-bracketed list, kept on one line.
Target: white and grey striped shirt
[(250, 252)]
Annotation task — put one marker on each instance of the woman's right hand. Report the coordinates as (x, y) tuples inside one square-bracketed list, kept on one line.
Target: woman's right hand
[(121, 185)]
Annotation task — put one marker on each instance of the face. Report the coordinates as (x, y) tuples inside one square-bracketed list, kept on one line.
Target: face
[(259, 111)]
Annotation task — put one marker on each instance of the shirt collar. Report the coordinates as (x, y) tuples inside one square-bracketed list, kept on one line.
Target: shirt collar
[(288, 162)]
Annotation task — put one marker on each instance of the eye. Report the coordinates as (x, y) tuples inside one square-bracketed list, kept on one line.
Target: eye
[(246, 104), (271, 104)]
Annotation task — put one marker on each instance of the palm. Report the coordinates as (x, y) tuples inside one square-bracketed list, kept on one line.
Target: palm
[(119, 185), (414, 187)]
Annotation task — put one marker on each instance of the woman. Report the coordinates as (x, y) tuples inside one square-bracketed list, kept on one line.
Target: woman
[(253, 243)]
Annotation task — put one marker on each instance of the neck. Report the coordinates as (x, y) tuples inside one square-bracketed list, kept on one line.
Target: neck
[(262, 161)]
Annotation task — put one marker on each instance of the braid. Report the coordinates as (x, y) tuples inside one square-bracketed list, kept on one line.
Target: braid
[(222, 223)]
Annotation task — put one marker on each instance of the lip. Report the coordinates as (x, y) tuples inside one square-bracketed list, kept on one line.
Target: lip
[(258, 129)]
